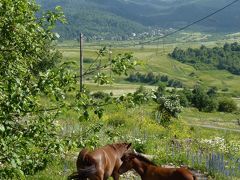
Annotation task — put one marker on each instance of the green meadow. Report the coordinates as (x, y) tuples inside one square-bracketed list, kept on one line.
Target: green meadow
[(173, 105), (155, 59), (138, 124)]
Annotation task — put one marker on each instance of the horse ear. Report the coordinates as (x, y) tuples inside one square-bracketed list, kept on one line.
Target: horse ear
[(129, 145)]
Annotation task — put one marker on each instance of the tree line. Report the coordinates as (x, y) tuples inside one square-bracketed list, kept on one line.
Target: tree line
[(222, 58), (151, 78), (206, 100)]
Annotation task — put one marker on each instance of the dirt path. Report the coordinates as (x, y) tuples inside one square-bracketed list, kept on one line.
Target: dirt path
[(214, 127)]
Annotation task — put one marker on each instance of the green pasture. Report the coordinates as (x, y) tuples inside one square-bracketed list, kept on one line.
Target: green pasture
[(138, 124), (215, 119), (135, 125), (155, 59)]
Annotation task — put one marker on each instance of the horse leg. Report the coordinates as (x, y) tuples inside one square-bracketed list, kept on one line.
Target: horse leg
[(115, 175), (99, 176)]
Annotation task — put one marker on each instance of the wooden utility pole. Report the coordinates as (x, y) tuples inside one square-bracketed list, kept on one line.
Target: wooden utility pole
[(81, 62), (163, 46), (110, 59)]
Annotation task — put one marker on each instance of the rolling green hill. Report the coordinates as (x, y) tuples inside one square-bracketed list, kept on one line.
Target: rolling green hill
[(158, 62)]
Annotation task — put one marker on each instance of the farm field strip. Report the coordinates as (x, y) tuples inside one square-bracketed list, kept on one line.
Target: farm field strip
[(154, 61)]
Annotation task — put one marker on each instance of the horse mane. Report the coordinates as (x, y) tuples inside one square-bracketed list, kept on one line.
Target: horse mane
[(143, 158)]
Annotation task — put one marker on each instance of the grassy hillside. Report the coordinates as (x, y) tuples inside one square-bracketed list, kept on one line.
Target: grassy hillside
[(134, 125), (138, 125), (156, 60)]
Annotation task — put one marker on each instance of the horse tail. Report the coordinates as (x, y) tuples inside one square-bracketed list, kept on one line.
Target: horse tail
[(83, 173), (87, 171), (194, 177), (81, 156), (85, 164), (74, 175)]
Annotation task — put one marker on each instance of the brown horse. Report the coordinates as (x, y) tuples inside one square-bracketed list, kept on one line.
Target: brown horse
[(100, 163), (149, 171)]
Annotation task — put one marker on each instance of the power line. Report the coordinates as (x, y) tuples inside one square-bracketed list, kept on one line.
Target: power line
[(178, 30), (191, 24), (184, 27)]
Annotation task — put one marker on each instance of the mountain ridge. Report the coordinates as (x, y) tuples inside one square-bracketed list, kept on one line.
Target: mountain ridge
[(120, 18)]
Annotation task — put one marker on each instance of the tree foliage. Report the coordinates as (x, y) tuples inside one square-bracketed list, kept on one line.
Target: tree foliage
[(119, 18), (34, 88), (223, 58), (207, 100), (28, 71), (199, 97), (227, 105), (168, 107), (96, 23), (151, 78)]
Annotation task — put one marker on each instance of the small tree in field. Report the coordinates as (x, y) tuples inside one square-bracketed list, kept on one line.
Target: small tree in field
[(202, 101), (227, 105), (168, 107)]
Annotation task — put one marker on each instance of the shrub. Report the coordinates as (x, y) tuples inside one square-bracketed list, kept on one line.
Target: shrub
[(140, 145), (211, 105), (188, 93), (88, 60), (183, 99), (160, 90), (202, 100), (225, 89), (116, 122), (100, 95), (227, 105), (142, 95), (168, 107)]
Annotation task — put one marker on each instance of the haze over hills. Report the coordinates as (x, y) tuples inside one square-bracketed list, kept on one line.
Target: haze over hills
[(120, 18)]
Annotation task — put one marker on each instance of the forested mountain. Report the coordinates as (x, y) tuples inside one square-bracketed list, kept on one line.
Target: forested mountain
[(120, 18), (94, 22)]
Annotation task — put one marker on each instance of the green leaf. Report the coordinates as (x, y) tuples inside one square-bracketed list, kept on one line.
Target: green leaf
[(20, 174), (2, 128), (58, 8), (99, 113), (13, 163)]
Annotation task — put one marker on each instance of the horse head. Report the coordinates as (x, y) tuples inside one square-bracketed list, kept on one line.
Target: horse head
[(127, 162)]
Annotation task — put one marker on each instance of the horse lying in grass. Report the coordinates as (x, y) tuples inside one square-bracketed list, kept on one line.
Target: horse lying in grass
[(149, 171), (100, 163)]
